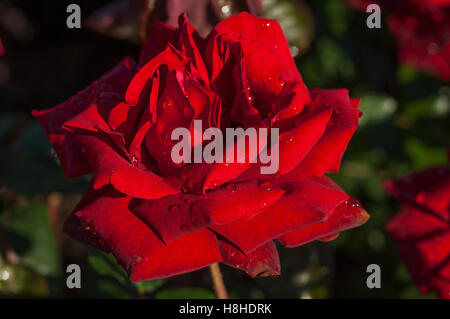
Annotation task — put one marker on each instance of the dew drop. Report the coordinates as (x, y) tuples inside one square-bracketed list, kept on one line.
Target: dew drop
[(167, 104), (266, 186), (174, 208), (167, 135), (188, 200), (231, 187)]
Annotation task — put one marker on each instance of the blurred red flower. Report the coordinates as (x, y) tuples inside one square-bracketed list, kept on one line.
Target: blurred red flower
[(422, 32), (159, 218), (422, 229)]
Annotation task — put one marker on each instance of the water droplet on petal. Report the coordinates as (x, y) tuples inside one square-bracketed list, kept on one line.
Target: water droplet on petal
[(231, 187), (188, 200), (266, 186), (134, 160), (173, 208), (168, 103), (168, 135)]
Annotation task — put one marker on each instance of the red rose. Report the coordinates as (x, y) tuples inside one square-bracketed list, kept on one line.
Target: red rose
[(159, 218), (422, 32), (422, 229)]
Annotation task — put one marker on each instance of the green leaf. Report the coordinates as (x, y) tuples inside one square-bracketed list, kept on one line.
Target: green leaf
[(423, 156), (376, 107), (31, 237), (149, 286), (106, 265), (20, 281)]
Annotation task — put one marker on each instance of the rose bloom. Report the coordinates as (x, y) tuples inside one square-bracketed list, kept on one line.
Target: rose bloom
[(159, 218), (422, 228), (422, 32)]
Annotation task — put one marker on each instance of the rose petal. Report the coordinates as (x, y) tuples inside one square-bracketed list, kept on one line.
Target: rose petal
[(54, 120), (347, 215), (262, 262), (159, 37), (294, 144), (253, 41), (413, 224), (103, 219), (428, 190), (110, 167), (326, 155), (200, 178), (174, 216), (303, 204), (170, 57), (188, 39)]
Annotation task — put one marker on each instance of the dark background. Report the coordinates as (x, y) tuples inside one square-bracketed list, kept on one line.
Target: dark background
[(404, 128)]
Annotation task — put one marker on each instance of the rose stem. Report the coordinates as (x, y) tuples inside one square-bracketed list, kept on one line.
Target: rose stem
[(219, 285)]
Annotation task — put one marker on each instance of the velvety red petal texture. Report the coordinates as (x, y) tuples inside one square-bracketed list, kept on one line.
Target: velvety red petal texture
[(177, 215), (422, 229), (83, 111), (237, 52), (262, 262), (326, 154), (161, 218), (103, 219), (347, 215), (305, 203), (316, 139)]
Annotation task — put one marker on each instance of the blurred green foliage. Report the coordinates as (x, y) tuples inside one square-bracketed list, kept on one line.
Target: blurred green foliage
[(404, 128)]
